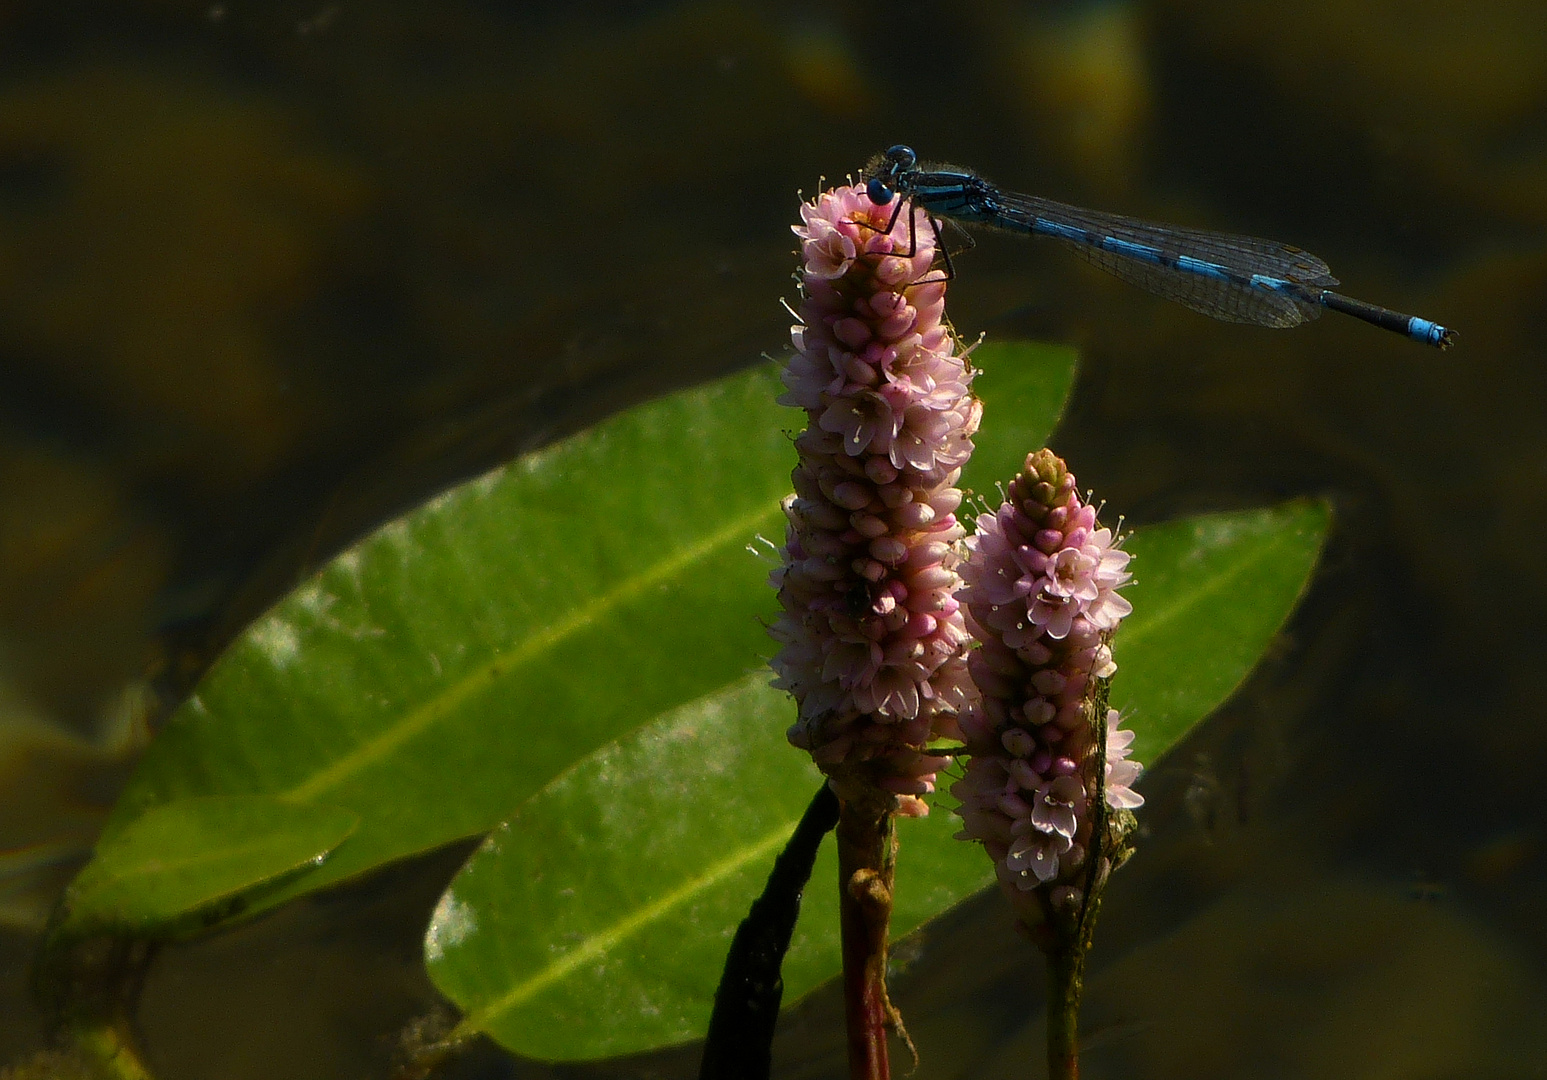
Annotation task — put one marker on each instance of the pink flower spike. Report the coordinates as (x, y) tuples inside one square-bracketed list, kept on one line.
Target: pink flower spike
[(873, 643), (1045, 612)]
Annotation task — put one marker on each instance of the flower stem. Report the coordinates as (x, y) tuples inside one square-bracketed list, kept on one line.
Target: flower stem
[(1065, 986), (867, 848)]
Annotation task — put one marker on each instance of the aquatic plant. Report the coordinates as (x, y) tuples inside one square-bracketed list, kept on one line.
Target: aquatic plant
[(1048, 790), (562, 655), (873, 646)]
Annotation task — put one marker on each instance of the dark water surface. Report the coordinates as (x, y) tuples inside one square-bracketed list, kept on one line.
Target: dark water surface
[(273, 272)]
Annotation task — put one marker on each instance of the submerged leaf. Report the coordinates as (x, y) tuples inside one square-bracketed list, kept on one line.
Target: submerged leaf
[(193, 862)]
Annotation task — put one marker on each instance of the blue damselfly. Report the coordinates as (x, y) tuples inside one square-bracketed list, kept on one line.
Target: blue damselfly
[(1237, 279)]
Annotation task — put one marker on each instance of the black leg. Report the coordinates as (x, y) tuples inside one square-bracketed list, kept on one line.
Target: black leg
[(892, 224), (949, 270), (945, 252)]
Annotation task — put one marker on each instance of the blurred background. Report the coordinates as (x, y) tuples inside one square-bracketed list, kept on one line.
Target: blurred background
[(271, 273)]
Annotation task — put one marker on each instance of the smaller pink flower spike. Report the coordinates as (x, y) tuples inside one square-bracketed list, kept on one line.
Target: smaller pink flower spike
[(873, 641), (1041, 594)]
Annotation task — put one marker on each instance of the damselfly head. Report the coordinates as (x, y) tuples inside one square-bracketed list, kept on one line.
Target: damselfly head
[(900, 158), (882, 172), (889, 164)]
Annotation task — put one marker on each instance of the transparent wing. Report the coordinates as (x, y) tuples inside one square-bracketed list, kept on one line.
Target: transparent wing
[(1217, 296)]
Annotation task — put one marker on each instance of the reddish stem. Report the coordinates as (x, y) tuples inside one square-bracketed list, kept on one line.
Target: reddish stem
[(867, 847), (1065, 986)]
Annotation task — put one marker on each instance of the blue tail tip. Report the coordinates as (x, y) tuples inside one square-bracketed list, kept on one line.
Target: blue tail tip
[(1430, 333)]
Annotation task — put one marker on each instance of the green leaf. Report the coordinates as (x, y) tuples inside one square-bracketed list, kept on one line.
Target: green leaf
[(618, 886), (1024, 387), (196, 861), (595, 923), (450, 665), (1208, 595)]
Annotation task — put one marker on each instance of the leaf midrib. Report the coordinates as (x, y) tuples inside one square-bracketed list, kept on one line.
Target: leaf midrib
[(213, 857), (599, 944), (438, 706)]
